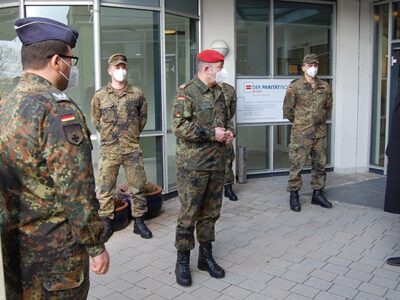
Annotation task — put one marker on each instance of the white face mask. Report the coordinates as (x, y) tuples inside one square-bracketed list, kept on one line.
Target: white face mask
[(312, 71), (221, 75), (119, 75), (73, 75)]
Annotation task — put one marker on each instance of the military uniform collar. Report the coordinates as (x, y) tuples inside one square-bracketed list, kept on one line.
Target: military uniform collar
[(304, 80), (200, 84), (126, 89), (27, 76)]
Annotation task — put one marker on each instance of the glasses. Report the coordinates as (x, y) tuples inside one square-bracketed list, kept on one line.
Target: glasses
[(74, 59)]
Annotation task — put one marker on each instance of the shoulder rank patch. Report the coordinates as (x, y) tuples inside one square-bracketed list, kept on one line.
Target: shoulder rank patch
[(60, 96), (73, 133)]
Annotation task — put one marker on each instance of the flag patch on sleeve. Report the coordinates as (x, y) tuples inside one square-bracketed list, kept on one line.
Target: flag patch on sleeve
[(67, 118)]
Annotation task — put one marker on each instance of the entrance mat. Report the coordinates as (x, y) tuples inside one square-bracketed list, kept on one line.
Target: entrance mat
[(369, 192)]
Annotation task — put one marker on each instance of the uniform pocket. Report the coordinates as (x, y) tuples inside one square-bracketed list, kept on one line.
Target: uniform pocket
[(54, 281), (205, 113), (108, 113)]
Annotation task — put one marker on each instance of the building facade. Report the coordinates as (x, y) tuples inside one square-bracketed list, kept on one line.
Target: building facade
[(357, 42)]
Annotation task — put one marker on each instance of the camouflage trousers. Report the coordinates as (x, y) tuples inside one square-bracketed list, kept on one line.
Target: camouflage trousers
[(299, 151), (109, 165), (229, 158), (66, 278), (200, 194)]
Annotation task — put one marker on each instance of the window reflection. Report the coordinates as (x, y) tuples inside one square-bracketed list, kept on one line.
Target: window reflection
[(379, 97), (256, 140), (252, 37), (180, 57), (78, 17), (300, 29), (10, 51)]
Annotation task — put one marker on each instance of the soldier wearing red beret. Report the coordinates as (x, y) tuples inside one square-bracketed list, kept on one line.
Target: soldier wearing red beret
[(200, 122)]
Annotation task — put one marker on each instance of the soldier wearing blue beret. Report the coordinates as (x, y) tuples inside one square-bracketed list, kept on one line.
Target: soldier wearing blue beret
[(45, 142)]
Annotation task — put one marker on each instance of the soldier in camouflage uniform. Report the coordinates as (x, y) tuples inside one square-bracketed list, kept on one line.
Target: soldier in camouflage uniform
[(230, 103), (45, 142), (119, 113), (200, 123), (307, 103)]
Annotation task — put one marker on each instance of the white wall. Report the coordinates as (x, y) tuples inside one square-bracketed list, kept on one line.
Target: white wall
[(218, 22), (352, 92)]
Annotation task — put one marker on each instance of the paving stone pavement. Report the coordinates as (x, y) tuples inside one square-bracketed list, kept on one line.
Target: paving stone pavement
[(268, 251)]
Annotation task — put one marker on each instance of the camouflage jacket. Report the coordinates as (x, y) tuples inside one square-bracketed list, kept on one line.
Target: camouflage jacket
[(119, 119), (197, 110), (230, 99), (308, 108), (44, 140)]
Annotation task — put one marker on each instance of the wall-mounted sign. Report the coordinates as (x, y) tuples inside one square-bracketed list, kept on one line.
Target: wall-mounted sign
[(260, 100)]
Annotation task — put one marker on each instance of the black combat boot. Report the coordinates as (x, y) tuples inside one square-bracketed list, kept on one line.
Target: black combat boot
[(140, 228), (393, 261), (182, 270), (107, 229), (229, 192), (294, 201), (318, 198), (207, 262)]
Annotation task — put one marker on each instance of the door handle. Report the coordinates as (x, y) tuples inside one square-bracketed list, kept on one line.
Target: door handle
[(393, 61)]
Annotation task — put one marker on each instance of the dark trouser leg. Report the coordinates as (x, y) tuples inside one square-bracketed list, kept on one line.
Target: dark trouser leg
[(192, 187), (318, 175)]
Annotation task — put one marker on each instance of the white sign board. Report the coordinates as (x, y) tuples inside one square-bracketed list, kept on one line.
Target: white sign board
[(260, 100)]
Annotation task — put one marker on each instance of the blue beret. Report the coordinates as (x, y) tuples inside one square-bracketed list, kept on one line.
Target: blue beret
[(33, 30)]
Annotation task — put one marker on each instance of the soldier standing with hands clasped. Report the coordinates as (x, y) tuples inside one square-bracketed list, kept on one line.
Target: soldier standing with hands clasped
[(119, 113), (45, 142), (308, 101), (201, 125)]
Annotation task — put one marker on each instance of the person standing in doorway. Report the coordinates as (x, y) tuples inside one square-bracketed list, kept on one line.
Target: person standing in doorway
[(200, 123), (230, 103), (45, 144), (308, 101), (119, 113)]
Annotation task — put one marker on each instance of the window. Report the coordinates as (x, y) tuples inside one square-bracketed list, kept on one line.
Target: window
[(135, 33), (80, 18), (252, 37), (300, 29), (180, 58), (10, 51), (190, 7), (379, 87), (155, 3)]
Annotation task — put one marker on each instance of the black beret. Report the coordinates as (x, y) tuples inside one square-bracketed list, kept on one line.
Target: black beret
[(34, 29)]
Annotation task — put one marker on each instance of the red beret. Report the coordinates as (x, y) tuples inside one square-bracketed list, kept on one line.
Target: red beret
[(210, 56)]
